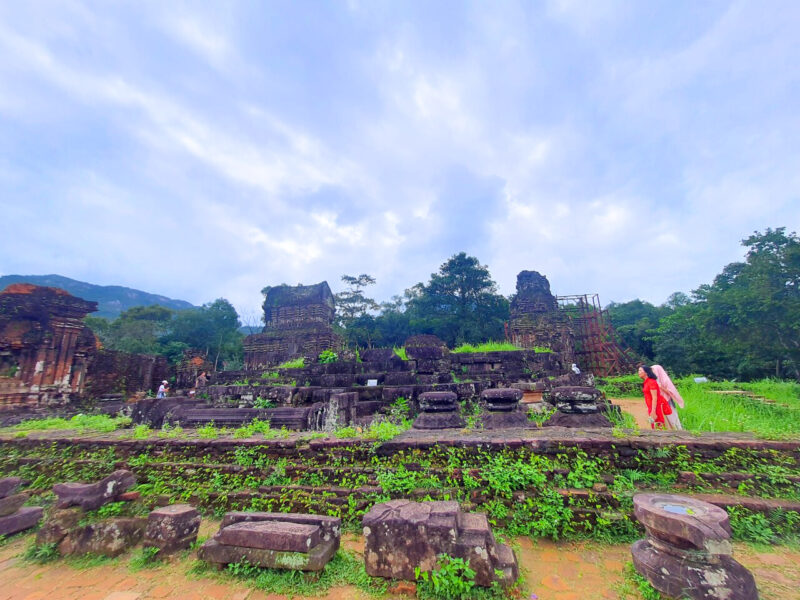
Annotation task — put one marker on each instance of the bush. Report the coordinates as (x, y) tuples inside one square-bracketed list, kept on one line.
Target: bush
[(328, 356)]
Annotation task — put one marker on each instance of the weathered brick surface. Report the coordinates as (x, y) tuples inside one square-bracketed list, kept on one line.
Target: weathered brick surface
[(271, 535), (111, 537), (402, 536), (172, 528)]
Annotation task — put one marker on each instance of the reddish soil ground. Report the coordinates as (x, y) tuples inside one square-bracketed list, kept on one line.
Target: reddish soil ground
[(554, 571)]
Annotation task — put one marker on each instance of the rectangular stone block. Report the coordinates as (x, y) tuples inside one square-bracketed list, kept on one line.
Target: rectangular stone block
[(172, 528), (271, 535), (314, 560), (25, 518), (331, 526)]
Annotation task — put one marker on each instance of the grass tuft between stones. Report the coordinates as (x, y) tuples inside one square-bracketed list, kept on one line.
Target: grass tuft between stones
[(345, 568)]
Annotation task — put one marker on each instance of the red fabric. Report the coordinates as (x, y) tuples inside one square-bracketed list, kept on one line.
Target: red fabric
[(662, 406)]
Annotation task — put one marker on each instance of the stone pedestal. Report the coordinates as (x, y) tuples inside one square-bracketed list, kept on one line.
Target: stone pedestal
[(576, 406), (172, 528), (402, 535), (503, 409), (687, 552), (439, 410), (275, 540)]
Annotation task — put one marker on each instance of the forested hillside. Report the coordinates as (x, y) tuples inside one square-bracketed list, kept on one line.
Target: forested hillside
[(111, 299)]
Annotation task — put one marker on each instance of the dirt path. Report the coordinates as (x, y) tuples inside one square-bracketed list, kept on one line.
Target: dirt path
[(554, 571), (636, 407)]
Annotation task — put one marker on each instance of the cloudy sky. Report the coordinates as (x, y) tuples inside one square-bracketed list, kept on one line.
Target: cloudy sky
[(201, 150)]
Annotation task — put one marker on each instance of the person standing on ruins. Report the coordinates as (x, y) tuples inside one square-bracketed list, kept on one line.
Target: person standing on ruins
[(163, 389), (201, 381), (657, 405)]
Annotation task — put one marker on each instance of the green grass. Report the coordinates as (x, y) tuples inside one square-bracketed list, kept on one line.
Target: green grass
[(401, 352), (343, 569), (296, 363), (492, 346), (709, 411), (100, 423)]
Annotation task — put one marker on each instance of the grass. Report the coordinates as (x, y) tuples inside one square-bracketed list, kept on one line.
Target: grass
[(343, 569), (489, 346), (709, 411), (401, 352), (84, 423), (297, 363), (492, 346)]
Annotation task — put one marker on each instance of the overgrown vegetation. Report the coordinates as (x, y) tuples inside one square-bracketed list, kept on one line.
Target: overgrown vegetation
[(81, 422), (296, 363), (343, 569), (523, 492)]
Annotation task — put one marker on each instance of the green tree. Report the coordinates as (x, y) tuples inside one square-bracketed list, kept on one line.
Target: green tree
[(213, 327), (136, 330), (459, 304), (746, 323), (353, 309), (635, 323)]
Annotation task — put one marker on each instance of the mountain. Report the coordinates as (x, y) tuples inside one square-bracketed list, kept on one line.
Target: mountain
[(111, 299)]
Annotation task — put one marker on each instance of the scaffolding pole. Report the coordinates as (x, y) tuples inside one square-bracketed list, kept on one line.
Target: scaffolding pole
[(597, 347)]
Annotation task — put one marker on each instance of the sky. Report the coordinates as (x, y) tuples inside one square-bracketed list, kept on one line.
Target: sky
[(202, 150)]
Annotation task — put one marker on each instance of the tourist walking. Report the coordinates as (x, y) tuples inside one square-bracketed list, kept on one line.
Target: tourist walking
[(670, 392), (163, 389), (657, 405)]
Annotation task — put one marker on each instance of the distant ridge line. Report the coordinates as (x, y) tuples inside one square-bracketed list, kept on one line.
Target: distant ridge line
[(111, 299)]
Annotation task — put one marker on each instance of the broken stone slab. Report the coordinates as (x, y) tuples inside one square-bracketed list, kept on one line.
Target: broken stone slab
[(240, 530), (172, 528), (402, 535), (58, 524), (330, 527), (687, 551), (9, 485), (25, 518), (281, 536), (91, 496), (111, 537), (11, 504), (313, 560)]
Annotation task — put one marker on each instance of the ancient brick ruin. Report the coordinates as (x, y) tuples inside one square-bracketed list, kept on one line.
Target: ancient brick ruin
[(298, 321), (536, 320), (48, 356), (44, 346)]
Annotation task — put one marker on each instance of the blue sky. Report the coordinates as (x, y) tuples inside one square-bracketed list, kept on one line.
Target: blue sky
[(201, 150)]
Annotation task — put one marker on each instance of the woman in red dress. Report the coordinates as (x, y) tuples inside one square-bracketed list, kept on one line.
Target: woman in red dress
[(657, 405)]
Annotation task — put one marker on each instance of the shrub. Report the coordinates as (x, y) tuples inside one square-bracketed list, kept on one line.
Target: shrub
[(328, 356)]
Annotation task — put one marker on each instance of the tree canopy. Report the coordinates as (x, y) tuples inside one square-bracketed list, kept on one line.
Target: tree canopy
[(213, 327)]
